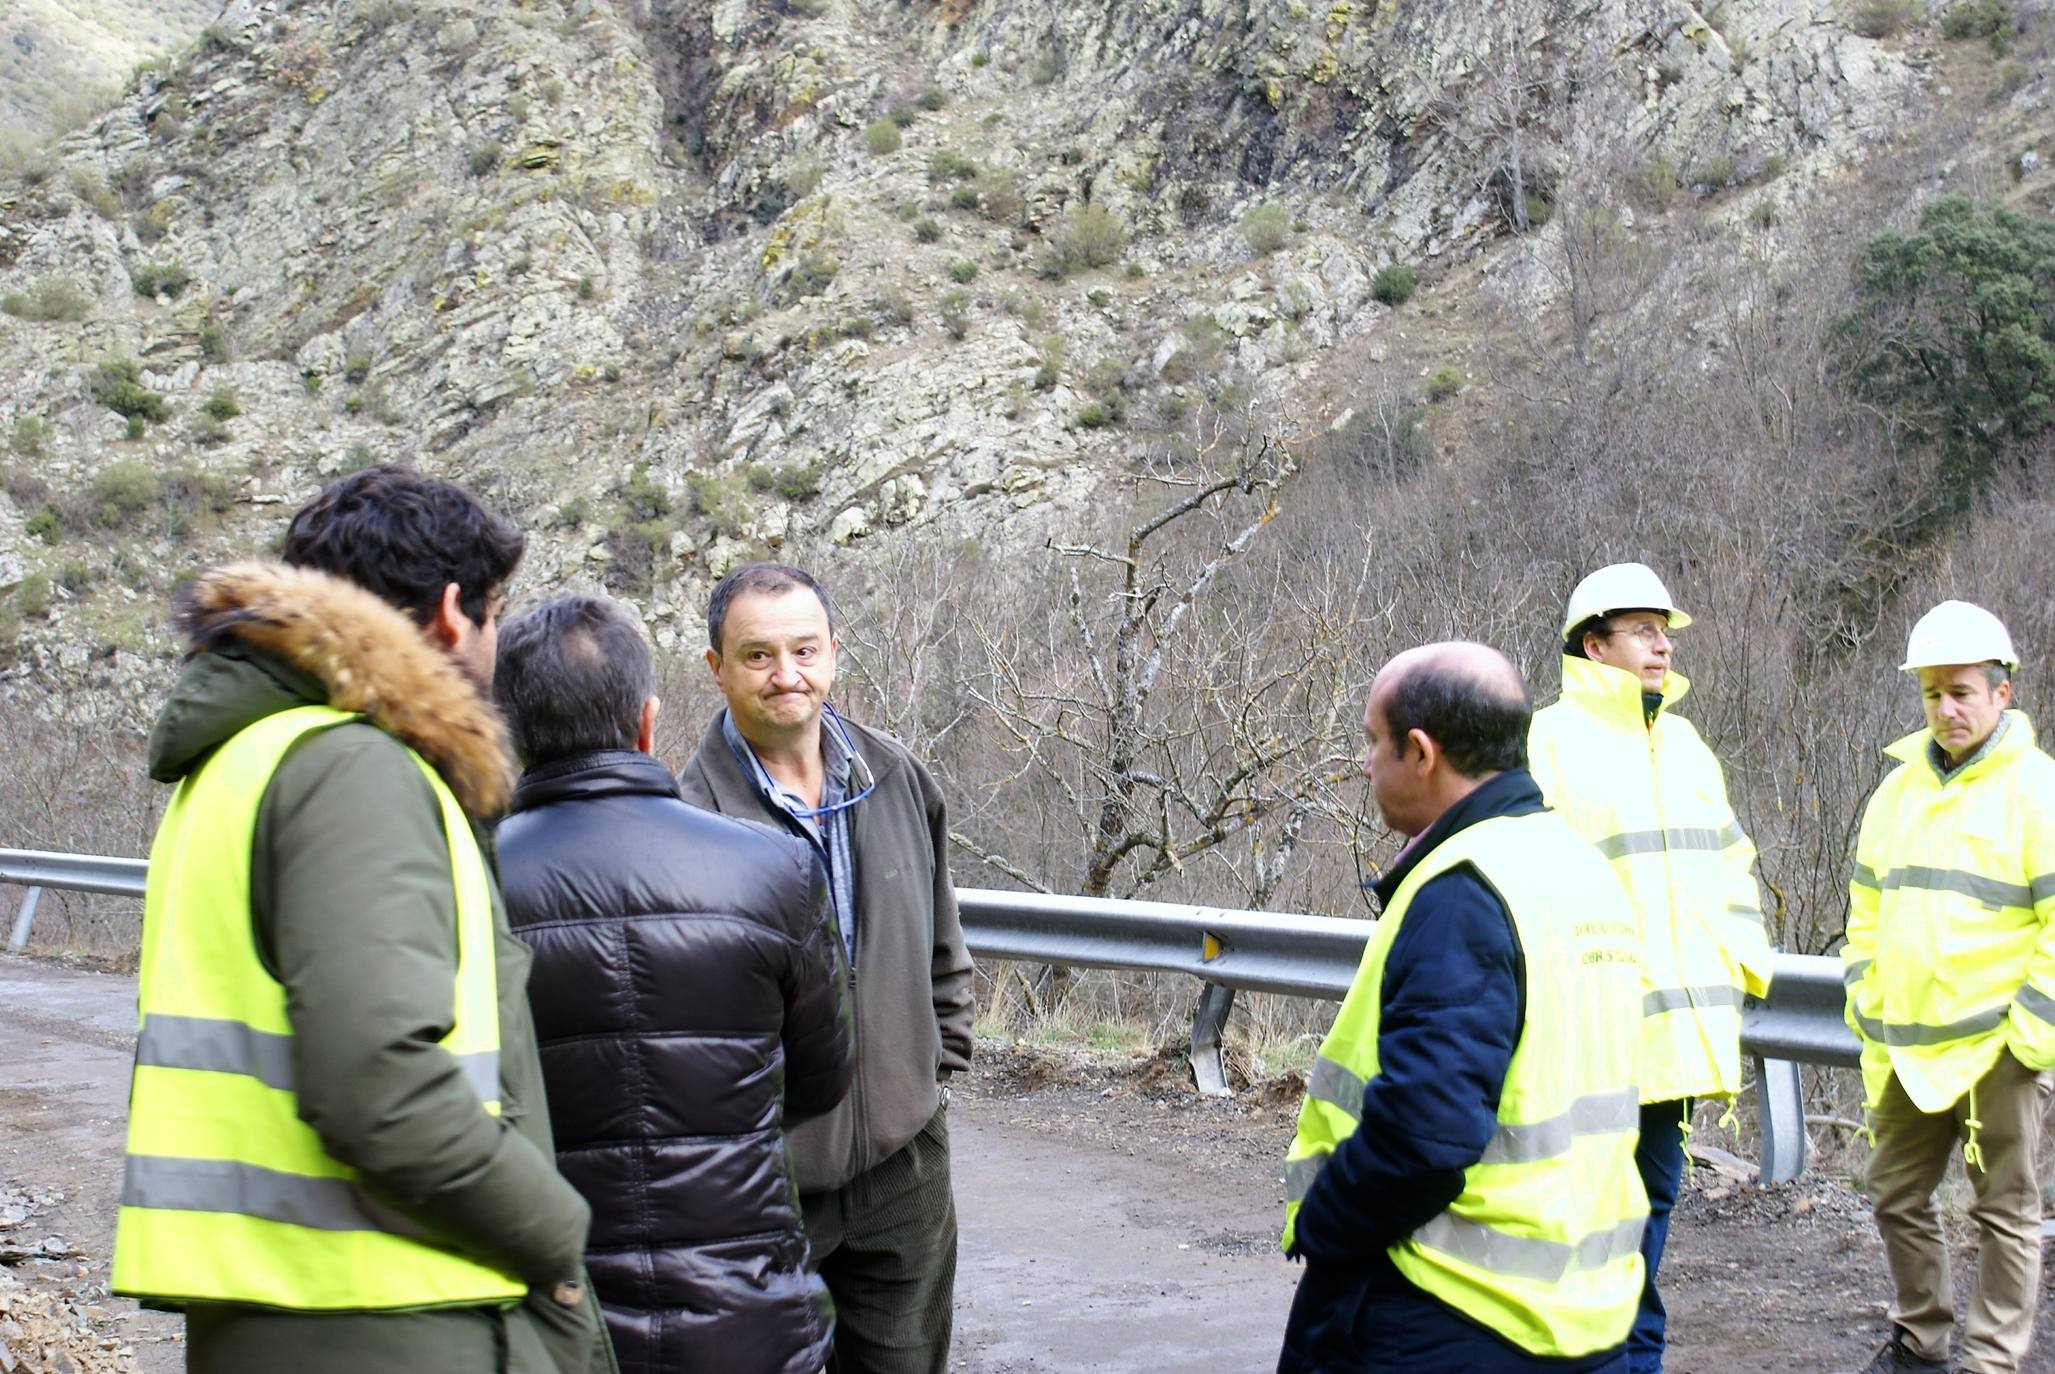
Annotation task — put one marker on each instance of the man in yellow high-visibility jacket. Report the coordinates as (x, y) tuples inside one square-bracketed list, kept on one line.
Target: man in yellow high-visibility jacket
[(1462, 1184), (1633, 777), (1950, 965), (339, 1158)]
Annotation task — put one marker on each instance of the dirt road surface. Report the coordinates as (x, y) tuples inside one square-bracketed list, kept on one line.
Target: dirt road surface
[(1112, 1220)]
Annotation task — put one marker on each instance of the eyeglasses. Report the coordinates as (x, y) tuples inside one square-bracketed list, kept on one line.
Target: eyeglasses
[(1647, 633)]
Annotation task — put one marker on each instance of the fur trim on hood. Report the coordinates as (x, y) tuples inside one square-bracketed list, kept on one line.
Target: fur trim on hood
[(372, 659)]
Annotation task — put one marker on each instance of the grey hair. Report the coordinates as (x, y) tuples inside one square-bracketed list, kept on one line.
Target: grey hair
[(572, 676)]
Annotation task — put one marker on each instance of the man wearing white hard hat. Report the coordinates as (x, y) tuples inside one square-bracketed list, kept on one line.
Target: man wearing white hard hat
[(1634, 778), (1950, 966)]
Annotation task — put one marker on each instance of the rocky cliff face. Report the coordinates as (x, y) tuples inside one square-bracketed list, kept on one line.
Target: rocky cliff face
[(680, 280)]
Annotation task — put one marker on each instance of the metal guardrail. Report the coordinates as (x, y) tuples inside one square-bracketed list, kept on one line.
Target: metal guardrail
[(1227, 950)]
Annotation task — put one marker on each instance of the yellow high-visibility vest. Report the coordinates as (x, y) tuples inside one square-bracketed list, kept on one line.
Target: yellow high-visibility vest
[(1950, 960), (227, 1195), (1543, 1244), (1653, 799)]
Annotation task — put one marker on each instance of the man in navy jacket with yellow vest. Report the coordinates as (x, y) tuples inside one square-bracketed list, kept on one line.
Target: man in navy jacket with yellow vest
[(1462, 1183), (339, 1158)]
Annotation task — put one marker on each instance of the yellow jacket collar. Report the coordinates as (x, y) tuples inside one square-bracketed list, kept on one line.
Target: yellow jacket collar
[(1614, 693), (2016, 738)]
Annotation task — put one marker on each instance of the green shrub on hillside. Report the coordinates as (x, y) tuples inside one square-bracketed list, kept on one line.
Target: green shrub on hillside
[(1952, 333), (160, 279), (51, 298), (1883, 18), (117, 384), (31, 438), (1266, 228), (121, 491), (1394, 283), (881, 136), (222, 405), (1987, 19), (946, 164), (1086, 236), (32, 595)]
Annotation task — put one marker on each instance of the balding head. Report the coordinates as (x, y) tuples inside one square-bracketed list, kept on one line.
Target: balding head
[(1441, 719), (1466, 697)]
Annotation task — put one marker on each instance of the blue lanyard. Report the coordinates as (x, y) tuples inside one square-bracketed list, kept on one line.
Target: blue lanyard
[(849, 747)]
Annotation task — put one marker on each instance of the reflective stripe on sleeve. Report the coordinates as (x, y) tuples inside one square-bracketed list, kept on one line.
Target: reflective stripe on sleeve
[(1750, 914), (1654, 841), (1902, 1034), (2043, 887), (2032, 999), (1863, 876), (1596, 1114), (1337, 1086), (215, 1045), (1529, 1257), (165, 1183), (1990, 891), (1299, 1175), (1851, 974), (1703, 998)]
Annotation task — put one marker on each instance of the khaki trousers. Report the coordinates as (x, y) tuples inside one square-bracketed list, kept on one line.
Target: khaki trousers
[(1913, 1149)]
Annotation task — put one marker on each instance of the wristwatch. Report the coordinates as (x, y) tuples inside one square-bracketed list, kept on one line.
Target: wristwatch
[(568, 1293)]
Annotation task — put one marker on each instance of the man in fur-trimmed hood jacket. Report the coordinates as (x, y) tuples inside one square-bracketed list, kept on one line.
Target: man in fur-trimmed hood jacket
[(339, 1158)]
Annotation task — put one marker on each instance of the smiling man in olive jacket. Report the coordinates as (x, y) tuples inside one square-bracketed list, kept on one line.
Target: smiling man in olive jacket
[(873, 1174), (339, 1158)]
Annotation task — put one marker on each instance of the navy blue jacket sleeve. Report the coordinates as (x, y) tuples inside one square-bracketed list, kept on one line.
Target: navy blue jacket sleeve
[(1452, 1003)]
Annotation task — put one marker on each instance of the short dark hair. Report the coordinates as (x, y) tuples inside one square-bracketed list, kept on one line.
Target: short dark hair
[(1601, 625), (571, 677), (1479, 727), (404, 537), (1573, 643), (768, 578)]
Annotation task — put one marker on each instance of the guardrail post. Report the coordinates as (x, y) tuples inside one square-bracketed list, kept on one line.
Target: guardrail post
[(1781, 1119), (19, 941), (1207, 1024)]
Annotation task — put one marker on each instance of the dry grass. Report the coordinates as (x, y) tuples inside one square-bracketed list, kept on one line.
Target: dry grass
[(60, 59)]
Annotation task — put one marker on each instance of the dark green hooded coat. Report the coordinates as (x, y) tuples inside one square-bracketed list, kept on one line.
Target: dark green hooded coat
[(353, 911)]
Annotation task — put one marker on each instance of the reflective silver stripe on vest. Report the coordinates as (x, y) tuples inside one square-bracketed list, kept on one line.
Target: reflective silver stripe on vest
[(1989, 891), (1863, 876), (481, 1071), (1914, 1033), (1852, 973), (1336, 1086), (1678, 999), (1655, 841), (216, 1045), (1299, 1175), (1595, 1114), (1528, 1257), (166, 1183), (2043, 887), (1751, 914), (2037, 1002)]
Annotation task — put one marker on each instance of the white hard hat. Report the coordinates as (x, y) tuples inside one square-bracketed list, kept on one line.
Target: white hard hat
[(1621, 587), (1958, 632)]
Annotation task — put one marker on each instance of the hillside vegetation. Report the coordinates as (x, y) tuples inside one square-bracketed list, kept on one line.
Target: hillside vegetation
[(1143, 375), (61, 59)]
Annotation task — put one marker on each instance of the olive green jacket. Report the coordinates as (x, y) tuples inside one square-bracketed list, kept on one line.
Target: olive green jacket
[(355, 914)]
